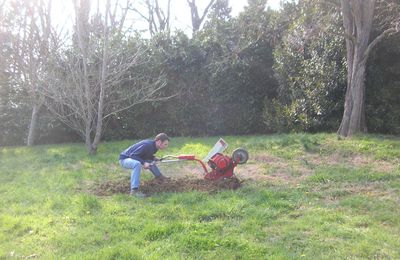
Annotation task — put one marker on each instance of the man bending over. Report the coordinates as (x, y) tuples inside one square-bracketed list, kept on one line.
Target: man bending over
[(141, 155)]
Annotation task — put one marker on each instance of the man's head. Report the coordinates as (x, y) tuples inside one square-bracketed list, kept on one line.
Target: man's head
[(162, 141)]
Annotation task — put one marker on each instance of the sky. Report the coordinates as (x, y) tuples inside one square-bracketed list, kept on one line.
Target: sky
[(180, 12)]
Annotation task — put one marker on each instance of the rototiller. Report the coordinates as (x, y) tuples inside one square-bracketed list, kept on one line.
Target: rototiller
[(221, 165)]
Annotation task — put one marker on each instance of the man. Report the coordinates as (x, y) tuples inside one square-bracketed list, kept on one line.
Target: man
[(141, 155)]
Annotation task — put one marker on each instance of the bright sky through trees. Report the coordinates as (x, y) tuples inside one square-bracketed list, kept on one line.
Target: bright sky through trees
[(180, 12)]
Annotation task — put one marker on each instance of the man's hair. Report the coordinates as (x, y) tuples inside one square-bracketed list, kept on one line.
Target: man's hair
[(162, 137)]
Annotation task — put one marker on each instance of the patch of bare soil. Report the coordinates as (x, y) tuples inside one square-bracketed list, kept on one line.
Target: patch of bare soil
[(154, 186), (357, 160), (264, 167)]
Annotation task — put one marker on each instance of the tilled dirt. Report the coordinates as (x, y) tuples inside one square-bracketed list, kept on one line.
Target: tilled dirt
[(154, 186)]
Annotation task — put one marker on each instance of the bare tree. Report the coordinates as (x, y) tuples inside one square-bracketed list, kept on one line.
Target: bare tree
[(197, 20), (97, 79), (157, 19), (358, 18), (31, 42)]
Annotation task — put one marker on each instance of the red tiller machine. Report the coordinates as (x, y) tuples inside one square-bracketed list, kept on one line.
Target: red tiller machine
[(221, 165)]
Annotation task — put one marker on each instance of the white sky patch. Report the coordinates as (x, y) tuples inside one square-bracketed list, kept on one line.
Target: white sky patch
[(63, 13)]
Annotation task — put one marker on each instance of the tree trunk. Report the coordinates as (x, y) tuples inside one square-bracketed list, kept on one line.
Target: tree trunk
[(32, 125), (88, 139), (354, 112), (357, 22), (103, 77), (196, 19)]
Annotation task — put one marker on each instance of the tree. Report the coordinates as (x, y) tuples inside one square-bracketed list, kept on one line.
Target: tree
[(156, 18), (383, 88), (358, 17), (197, 20), (310, 68), (32, 41), (237, 70), (96, 77), (9, 132)]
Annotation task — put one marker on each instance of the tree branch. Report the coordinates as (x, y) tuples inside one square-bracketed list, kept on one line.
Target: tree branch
[(380, 37)]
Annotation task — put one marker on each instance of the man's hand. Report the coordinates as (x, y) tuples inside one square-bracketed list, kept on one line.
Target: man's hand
[(146, 165)]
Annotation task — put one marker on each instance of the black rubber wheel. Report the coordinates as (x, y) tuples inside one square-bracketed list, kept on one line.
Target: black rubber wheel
[(240, 156)]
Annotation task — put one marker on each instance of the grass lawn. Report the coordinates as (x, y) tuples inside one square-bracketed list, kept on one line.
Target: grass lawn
[(303, 196)]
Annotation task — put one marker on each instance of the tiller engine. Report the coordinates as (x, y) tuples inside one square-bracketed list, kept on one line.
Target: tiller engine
[(221, 165)]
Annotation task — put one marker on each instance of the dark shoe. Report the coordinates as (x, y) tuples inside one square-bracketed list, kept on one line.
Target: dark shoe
[(137, 193), (162, 178)]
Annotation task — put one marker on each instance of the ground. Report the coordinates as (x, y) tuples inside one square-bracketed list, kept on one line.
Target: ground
[(153, 186), (300, 196), (188, 176), (183, 177)]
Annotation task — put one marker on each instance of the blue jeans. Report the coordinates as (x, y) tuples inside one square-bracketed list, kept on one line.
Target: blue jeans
[(136, 168)]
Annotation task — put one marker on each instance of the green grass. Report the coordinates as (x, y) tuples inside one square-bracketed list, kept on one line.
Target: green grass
[(313, 197)]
